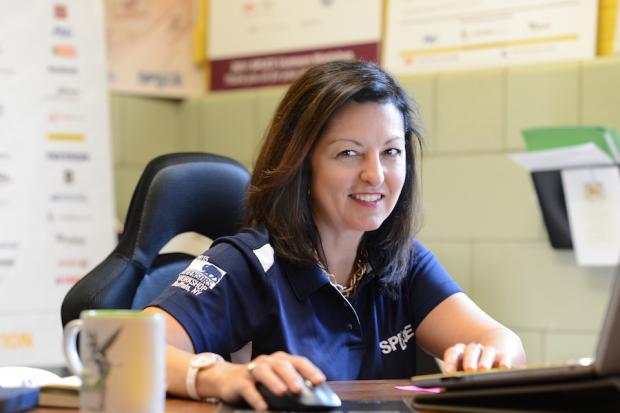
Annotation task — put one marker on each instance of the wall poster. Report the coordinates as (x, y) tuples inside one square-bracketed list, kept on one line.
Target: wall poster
[(436, 35), (56, 206), (150, 45), (254, 43)]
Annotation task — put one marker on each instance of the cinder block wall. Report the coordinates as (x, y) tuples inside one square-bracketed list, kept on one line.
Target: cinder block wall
[(481, 214)]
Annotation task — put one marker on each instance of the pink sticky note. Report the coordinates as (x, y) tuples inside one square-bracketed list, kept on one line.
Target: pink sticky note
[(422, 389)]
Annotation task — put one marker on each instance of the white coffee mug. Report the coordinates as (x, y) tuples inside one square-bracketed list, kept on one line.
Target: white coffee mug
[(121, 360)]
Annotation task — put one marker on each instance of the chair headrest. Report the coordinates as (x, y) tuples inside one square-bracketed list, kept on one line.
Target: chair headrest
[(183, 192)]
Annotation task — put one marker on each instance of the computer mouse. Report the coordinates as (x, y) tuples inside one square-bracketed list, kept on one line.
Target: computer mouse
[(312, 398)]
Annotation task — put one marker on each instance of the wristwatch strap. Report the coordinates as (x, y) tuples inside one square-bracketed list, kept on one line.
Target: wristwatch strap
[(198, 362)]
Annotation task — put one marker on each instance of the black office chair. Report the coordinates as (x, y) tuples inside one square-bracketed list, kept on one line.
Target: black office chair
[(177, 193)]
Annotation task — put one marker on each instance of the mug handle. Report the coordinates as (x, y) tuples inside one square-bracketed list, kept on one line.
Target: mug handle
[(69, 346)]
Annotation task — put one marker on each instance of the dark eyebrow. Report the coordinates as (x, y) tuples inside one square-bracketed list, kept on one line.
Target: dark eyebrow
[(358, 143), (353, 141), (395, 138)]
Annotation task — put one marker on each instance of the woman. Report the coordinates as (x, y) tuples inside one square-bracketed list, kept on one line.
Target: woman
[(327, 282)]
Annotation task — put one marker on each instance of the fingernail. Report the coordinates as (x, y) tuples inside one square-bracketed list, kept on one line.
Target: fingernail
[(469, 367), (297, 385)]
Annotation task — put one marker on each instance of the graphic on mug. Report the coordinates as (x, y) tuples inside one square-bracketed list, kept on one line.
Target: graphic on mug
[(97, 368)]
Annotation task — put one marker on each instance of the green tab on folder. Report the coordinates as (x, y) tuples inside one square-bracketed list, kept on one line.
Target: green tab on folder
[(557, 137)]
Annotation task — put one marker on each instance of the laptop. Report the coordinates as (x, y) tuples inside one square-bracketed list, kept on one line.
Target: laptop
[(606, 362)]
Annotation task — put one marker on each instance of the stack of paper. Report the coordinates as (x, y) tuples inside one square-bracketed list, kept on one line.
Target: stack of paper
[(583, 155), (587, 158)]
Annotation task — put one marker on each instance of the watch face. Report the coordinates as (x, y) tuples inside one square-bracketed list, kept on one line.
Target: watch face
[(203, 360)]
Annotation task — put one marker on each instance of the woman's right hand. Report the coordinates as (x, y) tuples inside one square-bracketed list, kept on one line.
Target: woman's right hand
[(279, 372), (230, 382)]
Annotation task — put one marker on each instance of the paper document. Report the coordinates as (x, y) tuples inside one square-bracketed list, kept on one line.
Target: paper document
[(593, 205), (587, 154)]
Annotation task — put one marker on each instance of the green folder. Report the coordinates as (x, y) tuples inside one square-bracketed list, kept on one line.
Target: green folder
[(557, 137)]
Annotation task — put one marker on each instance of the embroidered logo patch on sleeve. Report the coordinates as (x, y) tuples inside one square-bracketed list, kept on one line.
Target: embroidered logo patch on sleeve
[(201, 275)]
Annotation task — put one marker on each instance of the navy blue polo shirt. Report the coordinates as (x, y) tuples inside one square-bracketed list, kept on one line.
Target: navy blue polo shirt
[(239, 292)]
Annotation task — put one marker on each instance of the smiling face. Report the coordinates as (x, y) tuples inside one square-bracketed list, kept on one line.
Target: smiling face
[(358, 168)]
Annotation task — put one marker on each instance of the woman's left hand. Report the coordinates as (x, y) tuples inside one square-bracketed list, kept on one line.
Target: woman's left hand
[(468, 338), (474, 357)]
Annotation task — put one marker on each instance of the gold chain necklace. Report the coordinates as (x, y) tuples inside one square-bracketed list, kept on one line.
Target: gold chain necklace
[(359, 270)]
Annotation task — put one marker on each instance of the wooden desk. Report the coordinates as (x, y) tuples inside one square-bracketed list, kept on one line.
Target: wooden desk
[(347, 390)]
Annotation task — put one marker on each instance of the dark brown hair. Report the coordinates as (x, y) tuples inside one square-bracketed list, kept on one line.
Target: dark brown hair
[(279, 192)]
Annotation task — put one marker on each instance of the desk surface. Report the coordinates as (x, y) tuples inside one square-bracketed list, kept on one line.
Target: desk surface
[(347, 390)]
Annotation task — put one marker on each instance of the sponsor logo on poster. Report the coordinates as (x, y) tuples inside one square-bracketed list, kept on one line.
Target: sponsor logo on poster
[(70, 239), (68, 156), (68, 176), (8, 245), (68, 197), (66, 137), (67, 280), (60, 11), (80, 263), (62, 32), (67, 217), (71, 271), (15, 340), (7, 262), (64, 117), (64, 93), (62, 70), (64, 50)]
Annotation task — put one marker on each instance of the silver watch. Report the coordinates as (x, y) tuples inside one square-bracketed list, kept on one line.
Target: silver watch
[(197, 363)]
